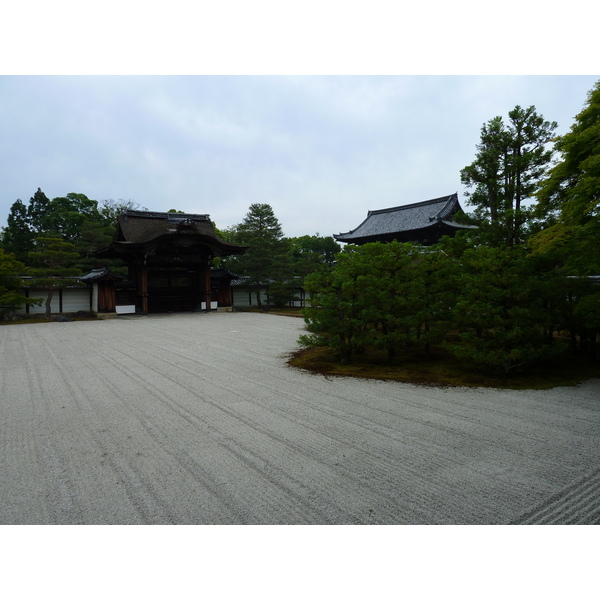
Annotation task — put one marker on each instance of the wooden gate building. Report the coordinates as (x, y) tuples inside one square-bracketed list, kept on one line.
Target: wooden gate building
[(168, 256)]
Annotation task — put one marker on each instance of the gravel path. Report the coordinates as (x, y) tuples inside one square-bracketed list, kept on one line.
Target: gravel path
[(197, 419)]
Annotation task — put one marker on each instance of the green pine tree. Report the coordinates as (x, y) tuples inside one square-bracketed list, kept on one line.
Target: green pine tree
[(18, 237), (262, 263), (11, 285), (511, 158), (54, 259)]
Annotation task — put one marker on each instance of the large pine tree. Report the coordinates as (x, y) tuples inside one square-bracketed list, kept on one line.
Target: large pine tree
[(55, 266), (264, 262), (11, 285), (510, 160)]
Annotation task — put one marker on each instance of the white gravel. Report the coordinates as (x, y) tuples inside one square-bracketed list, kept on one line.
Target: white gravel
[(197, 419)]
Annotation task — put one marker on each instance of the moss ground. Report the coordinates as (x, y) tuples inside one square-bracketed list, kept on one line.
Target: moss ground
[(441, 369)]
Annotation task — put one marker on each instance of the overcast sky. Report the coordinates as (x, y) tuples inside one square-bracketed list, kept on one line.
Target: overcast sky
[(321, 150)]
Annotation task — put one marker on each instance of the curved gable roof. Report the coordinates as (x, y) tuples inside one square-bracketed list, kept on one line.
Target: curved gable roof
[(139, 228), (402, 220)]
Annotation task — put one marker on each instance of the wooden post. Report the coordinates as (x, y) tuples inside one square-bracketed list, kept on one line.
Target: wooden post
[(207, 294), (144, 287)]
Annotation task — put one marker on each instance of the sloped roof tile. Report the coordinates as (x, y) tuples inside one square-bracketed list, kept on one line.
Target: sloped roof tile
[(402, 220)]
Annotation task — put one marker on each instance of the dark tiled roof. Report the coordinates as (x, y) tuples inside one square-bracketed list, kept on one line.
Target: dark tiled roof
[(98, 274), (221, 273), (242, 281), (29, 282), (138, 228), (402, 220)]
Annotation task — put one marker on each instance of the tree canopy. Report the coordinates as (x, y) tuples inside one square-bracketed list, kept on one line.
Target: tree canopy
[(496, 307), (265, 263), (569, 197), (511, 157), (11, 285), (74, 218), (311, 252), (18, 237), (54, 267)]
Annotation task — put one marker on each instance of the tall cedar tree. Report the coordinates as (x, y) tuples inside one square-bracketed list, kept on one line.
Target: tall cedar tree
[(37, 212), (509, 162), (17, 237), (25, 224)]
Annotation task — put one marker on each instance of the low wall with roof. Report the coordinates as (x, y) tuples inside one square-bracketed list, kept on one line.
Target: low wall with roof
[(67, 300)]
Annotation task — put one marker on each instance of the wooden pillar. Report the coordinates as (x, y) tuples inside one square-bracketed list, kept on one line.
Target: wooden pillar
[(144, 287), (207, 294)]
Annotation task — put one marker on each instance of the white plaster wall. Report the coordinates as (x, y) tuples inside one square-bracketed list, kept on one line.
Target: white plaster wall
[(73, 300), (241, 297)]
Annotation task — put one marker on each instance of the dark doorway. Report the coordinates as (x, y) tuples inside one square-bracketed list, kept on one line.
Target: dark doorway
[(173, 290)]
